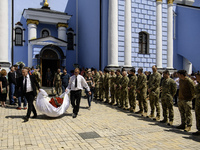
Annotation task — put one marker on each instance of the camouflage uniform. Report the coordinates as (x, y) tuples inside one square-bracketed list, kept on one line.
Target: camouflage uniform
[(197, 106), (124, 92), (57, 84), (168, 91), (96, 81), (186, 94), (142, 87), (132, 92), (37, 77), (106, 86), (101, 91), (112, 88), (154, 86), (118, 91)]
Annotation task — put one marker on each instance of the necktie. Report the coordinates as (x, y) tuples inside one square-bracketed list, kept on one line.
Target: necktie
[(25, 84), (76, 82)]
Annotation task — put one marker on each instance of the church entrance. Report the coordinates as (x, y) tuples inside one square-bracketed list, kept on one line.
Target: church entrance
[(49, 59)]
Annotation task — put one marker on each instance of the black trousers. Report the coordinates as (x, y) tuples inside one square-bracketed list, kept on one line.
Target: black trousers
[(30, 97), (75, 97)]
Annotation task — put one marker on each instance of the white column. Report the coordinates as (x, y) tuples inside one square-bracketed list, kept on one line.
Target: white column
[(159, 33), (32, 34), (62, 31), (113, 33), (4, 34), (127, 40), (170, 35)]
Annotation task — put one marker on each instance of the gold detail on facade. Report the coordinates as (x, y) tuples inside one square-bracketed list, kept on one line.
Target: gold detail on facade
[(158, 0), (46, 4), (62, 25), (29, 21), (170, 1)]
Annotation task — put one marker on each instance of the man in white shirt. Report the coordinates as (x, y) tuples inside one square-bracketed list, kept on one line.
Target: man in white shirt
[(76, 84)]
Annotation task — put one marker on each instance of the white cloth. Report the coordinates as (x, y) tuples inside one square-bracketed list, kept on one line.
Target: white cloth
[(28, 83), (43, 105), (81, 83)]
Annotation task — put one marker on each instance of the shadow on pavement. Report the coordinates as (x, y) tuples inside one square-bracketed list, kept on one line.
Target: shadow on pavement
[(193, 137)]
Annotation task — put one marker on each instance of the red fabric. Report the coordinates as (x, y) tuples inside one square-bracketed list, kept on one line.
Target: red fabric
[(59, 100)]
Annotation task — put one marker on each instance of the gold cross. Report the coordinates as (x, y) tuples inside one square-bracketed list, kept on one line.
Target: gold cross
[(46, 4)]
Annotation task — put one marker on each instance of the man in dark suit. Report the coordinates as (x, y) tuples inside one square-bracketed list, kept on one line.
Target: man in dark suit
[(28, 84)]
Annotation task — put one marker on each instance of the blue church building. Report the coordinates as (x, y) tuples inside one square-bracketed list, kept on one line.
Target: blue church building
[(100, 33)]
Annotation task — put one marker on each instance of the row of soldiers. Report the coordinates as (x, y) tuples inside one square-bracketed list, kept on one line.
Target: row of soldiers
[(124, 89)]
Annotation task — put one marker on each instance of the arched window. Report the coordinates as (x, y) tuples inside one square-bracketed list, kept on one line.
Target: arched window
[(45, 33), (18, 37), (70, 39), (143, 43)]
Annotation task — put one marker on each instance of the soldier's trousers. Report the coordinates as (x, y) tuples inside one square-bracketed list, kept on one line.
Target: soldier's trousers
[(118, 96), (142, 102), (124, 98), (132, 98), (101, 92), (197, 113), (112, 92), (167, 106), (107, 93), (96, 92), (58, 88), (185, 112), (154, 103)]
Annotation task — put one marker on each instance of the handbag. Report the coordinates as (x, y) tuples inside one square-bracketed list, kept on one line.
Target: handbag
[(4, 90)]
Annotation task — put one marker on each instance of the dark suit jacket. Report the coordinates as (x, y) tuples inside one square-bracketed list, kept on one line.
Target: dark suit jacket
[(34, 84)]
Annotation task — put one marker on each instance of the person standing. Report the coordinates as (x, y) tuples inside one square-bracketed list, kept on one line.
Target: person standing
[(168, 92), (96, 77), (106, 84), (57, 82), (3, 88), (154, 93), (124, 90), (12, 84), (117, 87), (28, 85), (37, 75), (186, 94), (142, 92), (197, 105), (101, 91), (91, 84), (65, 79), (132, 90), (176, 79), (112, 87), (76, 85)]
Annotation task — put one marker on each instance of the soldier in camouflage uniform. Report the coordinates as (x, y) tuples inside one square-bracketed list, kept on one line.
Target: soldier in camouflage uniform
[(154, 93), (112, 87), (186, 94), (37, 76), (124, 90), (117, 87), (197, 105), (142, 92), (132, 90), (57, 82), (106, 84), (96, 81), (101, 86), (168, 91)]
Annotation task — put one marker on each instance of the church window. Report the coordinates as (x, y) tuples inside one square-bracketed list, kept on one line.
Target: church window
[(18, 37), (143, 43), (70, 39)]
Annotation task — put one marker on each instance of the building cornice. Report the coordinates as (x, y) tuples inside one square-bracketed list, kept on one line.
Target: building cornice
[(30, 21)]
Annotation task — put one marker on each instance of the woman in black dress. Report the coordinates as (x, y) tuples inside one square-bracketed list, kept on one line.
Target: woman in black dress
[(3, 84)]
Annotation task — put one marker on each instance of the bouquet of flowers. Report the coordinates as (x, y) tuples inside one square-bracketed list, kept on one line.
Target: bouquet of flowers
[(56, 102)]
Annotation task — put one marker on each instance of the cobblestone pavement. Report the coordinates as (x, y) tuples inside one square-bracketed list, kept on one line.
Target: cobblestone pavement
[(104, 127)]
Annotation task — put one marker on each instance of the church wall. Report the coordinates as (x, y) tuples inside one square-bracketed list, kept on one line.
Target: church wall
[(187, 35), (143, 19), (88, 33)]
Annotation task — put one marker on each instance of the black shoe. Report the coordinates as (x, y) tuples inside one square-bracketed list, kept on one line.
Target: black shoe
[(74, 115), (25, 119)]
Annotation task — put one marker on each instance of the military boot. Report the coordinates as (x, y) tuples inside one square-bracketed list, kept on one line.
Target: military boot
[(131, 109), (150, 116), (157, 118), (187, 129), (144, 114), (170, 123), (139, 112), (163, 121), (182, 126)]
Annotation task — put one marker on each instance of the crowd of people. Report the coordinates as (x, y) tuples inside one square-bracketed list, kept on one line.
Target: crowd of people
[(119, 88)]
